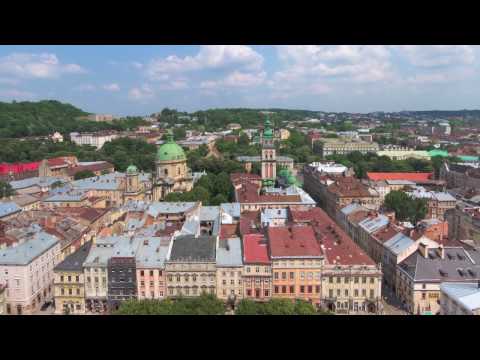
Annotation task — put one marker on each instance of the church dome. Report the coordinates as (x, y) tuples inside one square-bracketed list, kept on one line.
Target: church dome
[(170, 151), (132, 169)]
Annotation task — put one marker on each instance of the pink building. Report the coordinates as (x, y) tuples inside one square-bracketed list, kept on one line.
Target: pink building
[(150, 265), (26, 269)]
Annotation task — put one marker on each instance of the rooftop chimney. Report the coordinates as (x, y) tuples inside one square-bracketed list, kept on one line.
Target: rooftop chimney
[(423, 248), (441, 252)]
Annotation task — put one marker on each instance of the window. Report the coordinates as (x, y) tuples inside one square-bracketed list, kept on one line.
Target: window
[(364, 292), (355, 279), (372, 293), (302, 289), (275, 289), (224, 282), (142, 273), (347, 279), (338, 280), (266, 293), (284, 275), (232, 282), (257, 269), (151, 272), (364, 279), (292, 275), (61, 278), (178, 278), (310, 289), (338, 293), (346, 292), (170, 277), (88, 279), (317, 289), (372, 280), (249, 292), (330, 279), (355, 292), (194, 277), (62, 291), (142, 283), (284, 289), (424, 286), (423, 296), (302, 276), (309, 276), (248, 269), (292, 289), (77, 278), (275, 275)]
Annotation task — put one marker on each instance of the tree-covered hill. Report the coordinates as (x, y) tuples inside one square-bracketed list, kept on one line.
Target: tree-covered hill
[(26, 118)]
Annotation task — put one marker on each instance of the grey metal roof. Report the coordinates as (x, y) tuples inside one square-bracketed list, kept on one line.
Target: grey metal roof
[(189, 248), (72, 195), (74, 262), (233, 209), (431, 268), (8, 208), (466, 294), (26, 252), (151, 252), (229, 253), (268, 215), (40, 181), (350, 208), (209, 213), (371, 225), (400, 182), (157, 208), (398, 243), (111, 181)]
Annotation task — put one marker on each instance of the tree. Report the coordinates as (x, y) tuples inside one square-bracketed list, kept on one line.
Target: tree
[(304, 308), (6, 190), (247, 307), (56, 184), (205, 304), (83, 174), (179, 133), (406, 207)]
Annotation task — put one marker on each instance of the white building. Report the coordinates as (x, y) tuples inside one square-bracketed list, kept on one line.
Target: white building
[(93, 139), (57, 137), (460, 298), (26, 269)]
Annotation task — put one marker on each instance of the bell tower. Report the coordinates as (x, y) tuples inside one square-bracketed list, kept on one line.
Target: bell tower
[(269, 157)]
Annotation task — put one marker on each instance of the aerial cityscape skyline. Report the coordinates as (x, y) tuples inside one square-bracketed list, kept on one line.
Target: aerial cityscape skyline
[(138, 80)]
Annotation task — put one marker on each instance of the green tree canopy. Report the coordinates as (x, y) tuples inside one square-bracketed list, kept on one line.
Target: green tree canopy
[(83, 174), (406, 207)]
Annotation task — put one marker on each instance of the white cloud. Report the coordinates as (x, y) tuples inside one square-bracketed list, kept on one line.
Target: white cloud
[(111, 87), (85, 88), (437, 55), (236, 79), (141, 94), (14, 94), (208, 57), (356, 63), (36, 66)]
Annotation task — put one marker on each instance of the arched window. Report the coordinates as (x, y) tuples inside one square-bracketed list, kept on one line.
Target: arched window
[(178, 170), (166, 171)]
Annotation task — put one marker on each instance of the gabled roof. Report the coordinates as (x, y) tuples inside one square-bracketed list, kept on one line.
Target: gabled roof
[(293, 241), (255, 249), (411, 176)]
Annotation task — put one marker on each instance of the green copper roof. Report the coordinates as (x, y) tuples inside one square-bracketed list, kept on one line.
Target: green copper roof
[(437, 152), (283, 173), (267, 129), (468, 158), (170, 151), (132, 169), (292, 180)]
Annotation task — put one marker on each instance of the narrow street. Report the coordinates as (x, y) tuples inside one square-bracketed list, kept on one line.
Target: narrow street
[(391, 304)]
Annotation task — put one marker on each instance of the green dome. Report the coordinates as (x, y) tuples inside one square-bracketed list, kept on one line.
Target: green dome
[(132, 169), (292, 180), (268, 133), (283, 173), (170, 151)]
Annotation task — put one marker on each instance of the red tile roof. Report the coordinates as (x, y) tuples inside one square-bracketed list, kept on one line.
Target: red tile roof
[(337, 246), (293, 241), (250, 222), (228, 231), (411, 176), (255, 249), (94, 167)]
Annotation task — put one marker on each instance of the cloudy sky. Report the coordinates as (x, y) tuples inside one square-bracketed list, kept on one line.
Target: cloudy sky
[(139, 80)]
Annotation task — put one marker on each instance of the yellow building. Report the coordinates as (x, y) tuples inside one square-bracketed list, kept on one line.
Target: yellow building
[(403, 154), (333, 146), (69, 283)]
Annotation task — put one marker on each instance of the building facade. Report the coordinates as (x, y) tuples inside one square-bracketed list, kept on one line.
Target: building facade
[(27, 271), (69, 283), (171, 173)]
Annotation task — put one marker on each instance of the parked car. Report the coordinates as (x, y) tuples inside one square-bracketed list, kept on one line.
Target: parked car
[(46, 306)]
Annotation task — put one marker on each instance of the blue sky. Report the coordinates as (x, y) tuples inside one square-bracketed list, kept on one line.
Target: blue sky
[(139, 80)]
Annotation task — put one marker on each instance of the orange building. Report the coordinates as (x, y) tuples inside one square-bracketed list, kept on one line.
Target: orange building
[(296, 263)]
